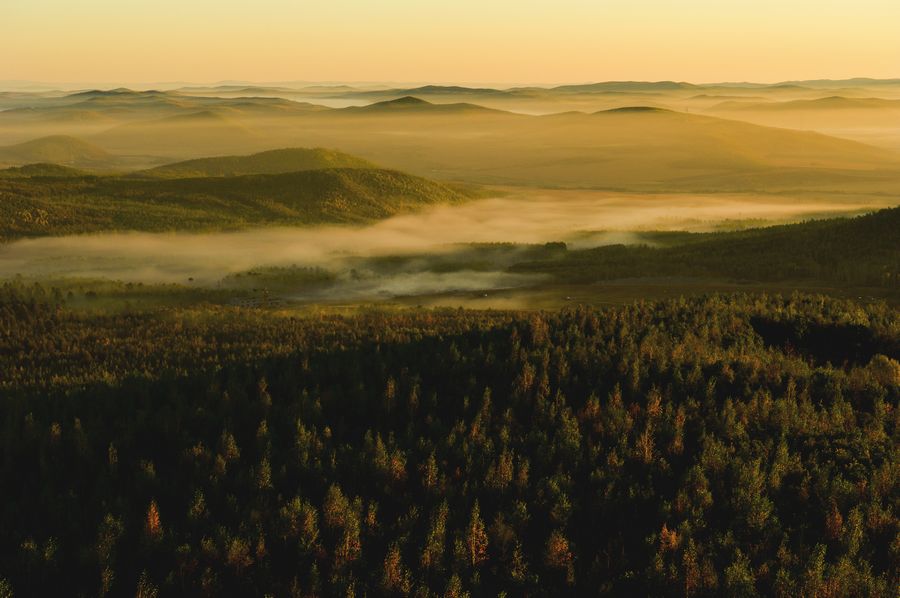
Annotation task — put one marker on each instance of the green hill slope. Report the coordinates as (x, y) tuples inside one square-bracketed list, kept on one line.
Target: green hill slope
[(270, 162), (57, 206)]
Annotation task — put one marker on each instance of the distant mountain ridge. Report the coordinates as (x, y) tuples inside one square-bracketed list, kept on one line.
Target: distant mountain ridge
[(627, 86)]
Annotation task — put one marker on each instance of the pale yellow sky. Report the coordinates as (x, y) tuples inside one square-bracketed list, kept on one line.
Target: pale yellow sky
[(454, 41)]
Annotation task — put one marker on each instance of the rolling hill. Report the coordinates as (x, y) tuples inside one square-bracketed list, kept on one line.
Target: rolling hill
[(137, 123), (414, 105), (517, 92), (871, 120), (128, 105), (633, 148), (438, 91), (32, 207), (638, 145), (270, 162), (196, 133), (703, 141), (59, 149)]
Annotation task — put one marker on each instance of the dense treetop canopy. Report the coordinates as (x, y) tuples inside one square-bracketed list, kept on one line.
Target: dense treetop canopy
[(726, 445)]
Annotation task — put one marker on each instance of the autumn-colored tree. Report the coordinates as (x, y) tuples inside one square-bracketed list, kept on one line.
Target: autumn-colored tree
[(145, 587), (238, 555), (834, 523), (395, 577), (433, 552), (739, 578), (264, 475), (690, 570), (430, 472), (518, 566), (349, 545), (476, 538), (677, 445), (336, 507), (390, 393), (152, 523), (501, 471), (645, 444), (228, 447), (372, 517), (455, 588), (668, 539), (558, 555)]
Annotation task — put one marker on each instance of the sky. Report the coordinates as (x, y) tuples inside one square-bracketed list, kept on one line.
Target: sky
[(455, 41)]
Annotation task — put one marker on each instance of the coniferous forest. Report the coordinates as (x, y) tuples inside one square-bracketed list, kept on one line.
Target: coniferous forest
[(726, 445)]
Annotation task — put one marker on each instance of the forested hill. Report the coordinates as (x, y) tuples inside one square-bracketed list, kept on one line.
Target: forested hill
[(732, 446), (41, 206), (864, 250), (41, 169)]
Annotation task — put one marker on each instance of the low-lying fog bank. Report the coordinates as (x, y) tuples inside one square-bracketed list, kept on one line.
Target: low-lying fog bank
[(580, 218)]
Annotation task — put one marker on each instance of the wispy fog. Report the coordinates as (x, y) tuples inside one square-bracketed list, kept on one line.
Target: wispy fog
[(579, 218)]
